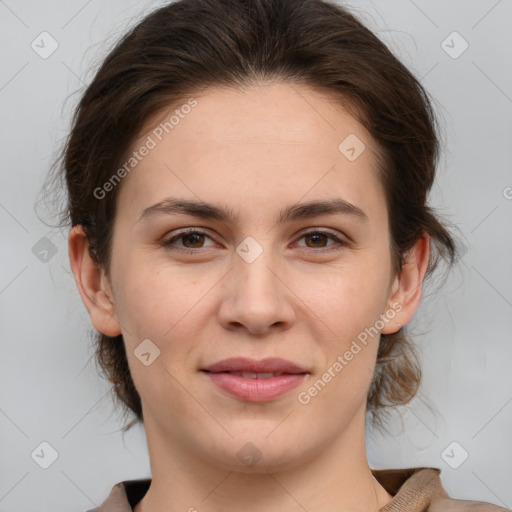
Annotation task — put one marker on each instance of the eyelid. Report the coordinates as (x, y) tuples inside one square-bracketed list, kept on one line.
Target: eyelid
[(341, 240), (167, 240)]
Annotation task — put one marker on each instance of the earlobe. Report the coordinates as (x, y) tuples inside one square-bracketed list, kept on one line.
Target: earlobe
[(92, 284), (408, 285)]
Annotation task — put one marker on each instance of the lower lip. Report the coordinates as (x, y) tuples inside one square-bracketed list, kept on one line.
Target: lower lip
[(256, 390)]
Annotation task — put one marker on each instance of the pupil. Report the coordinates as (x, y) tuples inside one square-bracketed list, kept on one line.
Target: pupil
[(194, 236), (315, 236)]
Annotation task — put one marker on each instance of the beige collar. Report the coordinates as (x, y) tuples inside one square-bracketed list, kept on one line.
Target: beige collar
[(416, 489)]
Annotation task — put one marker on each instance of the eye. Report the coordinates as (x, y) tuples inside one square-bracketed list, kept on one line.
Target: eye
[(319, 236), (194, 237)]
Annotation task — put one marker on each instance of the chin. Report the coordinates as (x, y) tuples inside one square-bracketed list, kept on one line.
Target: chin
[(253, 454)]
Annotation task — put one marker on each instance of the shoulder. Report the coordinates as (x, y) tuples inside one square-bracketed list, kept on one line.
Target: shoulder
[(420, 489), (453, 505), (124, 496)]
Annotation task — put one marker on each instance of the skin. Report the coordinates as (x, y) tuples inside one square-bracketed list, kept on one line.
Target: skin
[(255, 151)]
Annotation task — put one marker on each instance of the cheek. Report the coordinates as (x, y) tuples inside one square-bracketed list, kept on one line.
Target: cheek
[(153, 305), (347, 298), (165, 305), (349, 307), (152, 308)]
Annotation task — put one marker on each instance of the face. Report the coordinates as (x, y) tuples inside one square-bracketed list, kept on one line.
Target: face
[(309, 288)]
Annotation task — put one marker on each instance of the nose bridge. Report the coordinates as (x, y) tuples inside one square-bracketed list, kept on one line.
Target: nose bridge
[(257, 294), (255, 264)]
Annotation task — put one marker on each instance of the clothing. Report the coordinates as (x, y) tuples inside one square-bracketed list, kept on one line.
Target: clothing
[(416, 489)]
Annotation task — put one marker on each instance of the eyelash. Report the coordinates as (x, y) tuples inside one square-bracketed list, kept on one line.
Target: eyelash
[(167, 244)]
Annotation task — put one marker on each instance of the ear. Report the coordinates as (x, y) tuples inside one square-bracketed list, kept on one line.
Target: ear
[(92, 284), (407, 286)]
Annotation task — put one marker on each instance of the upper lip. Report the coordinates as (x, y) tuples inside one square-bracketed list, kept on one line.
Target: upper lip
[(244, 364)]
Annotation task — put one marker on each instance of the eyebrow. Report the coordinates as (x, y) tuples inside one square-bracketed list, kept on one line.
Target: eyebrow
[(204, 210)]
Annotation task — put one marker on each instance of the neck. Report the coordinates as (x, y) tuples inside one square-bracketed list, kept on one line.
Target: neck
[(335, 478)]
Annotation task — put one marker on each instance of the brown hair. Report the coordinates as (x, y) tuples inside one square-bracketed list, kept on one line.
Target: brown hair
[(188, 45)]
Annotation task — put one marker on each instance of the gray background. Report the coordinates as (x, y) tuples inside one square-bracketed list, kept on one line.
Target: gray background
[(49, 389)]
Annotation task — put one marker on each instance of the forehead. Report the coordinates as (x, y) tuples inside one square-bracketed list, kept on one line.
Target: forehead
[(265, 143), (272, 112)]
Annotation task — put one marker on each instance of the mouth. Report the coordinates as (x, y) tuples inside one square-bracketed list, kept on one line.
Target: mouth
[(254, 375), (270, 365), (255, 381)]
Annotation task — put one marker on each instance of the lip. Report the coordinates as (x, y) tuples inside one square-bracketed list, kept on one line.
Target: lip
[(244, 364), (254, 389)]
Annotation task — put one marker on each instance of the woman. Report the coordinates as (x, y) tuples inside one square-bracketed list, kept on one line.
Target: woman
[(248, 189)]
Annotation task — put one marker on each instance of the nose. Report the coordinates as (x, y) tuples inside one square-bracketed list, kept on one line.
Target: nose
[(256, 296)]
